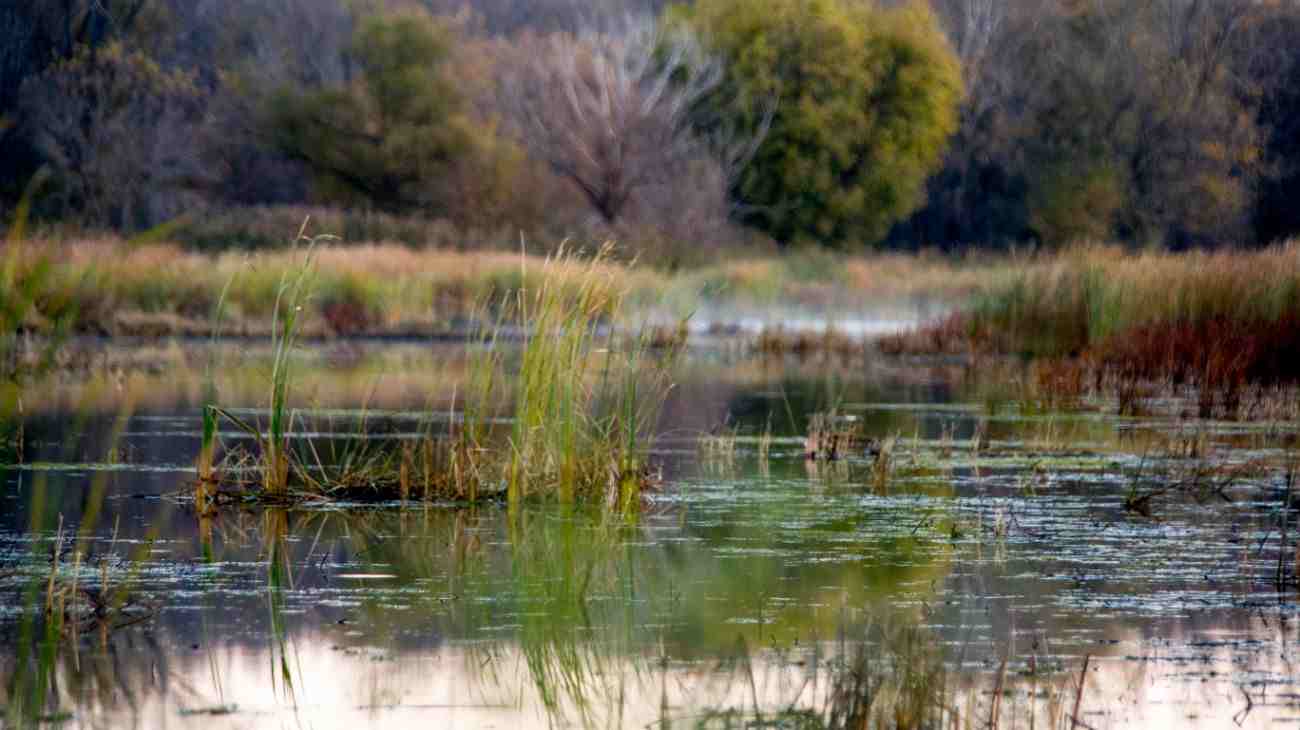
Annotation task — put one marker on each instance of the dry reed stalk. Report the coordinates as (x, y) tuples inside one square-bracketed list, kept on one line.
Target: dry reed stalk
[(996, 709), (1078, 695)]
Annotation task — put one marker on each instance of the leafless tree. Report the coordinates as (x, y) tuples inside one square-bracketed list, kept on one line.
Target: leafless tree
[(506, 17), (284, 41), (35, 34), (973, 27), (612, 112)]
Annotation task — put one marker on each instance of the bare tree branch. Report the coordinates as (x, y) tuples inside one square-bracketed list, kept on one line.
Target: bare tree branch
[(612, 111)]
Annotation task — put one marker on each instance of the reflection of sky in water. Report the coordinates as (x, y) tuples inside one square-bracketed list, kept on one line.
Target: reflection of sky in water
[(339, 680), (448, 619)]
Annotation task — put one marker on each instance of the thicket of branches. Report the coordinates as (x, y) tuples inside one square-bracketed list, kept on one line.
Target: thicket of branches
[(941, 123)]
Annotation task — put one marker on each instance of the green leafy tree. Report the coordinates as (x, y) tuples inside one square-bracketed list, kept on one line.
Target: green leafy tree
[(390, 136), (865, 100)]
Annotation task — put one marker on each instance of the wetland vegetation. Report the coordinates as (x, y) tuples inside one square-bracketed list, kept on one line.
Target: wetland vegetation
[(997, 561), (801, 364)]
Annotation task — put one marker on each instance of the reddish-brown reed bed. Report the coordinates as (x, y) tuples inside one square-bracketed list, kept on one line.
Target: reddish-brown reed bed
[(1221, 327), (778, 341), (1063, 383), (1219, 357), (954, 334)]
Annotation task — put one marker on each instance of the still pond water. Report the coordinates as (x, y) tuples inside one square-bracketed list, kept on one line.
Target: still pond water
[(995, 562)]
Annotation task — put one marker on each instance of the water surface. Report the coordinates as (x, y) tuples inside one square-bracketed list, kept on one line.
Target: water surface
[(999, 555)]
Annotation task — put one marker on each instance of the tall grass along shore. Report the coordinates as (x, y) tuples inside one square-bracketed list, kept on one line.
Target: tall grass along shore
[(1225, 325)]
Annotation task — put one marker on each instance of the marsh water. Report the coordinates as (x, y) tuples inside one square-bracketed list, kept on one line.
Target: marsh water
[(1001, 557)]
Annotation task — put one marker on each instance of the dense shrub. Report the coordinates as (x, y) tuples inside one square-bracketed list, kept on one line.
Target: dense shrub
[(114, 126)]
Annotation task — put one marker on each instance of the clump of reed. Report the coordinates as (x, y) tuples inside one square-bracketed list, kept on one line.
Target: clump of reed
[(65, 596), (717, 448), (75, 605), (832, 437), (570, 414), (585, 406), (882, 467), (1062, 384)]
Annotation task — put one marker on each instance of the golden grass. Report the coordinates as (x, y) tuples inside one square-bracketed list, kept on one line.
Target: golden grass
[(157, 289), (1090, 293), (112, 281)]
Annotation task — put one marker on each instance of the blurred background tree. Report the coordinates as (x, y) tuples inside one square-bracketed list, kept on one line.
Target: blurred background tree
[(116, 130), (1134, 121), (385, 137), (908, 124), (866, 100), (610, 112)]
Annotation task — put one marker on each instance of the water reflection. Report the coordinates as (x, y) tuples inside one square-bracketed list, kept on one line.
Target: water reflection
[(970, 587), (895, 679)]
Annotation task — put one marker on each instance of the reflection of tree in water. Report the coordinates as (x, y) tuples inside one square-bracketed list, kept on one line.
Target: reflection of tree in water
[(590, 617), (593, 603)]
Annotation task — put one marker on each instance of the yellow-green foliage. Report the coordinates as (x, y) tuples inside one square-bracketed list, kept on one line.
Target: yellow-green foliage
[(1138, 137), (866, 99)]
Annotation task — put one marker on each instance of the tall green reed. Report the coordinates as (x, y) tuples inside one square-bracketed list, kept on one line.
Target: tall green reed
[(291, 296), (586, 399), (581, 398)]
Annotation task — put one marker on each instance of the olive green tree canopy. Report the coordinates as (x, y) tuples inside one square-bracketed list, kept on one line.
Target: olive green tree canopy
[(388, 136), (865, 100)]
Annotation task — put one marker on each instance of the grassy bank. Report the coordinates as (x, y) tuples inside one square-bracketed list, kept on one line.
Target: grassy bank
[(1220, 324), (112, 287)]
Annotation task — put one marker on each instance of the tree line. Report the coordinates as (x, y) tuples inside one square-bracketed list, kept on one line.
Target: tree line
[(842, 123)]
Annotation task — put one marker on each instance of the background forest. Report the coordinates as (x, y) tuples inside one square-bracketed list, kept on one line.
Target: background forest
[(678, 129)]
